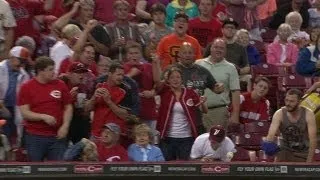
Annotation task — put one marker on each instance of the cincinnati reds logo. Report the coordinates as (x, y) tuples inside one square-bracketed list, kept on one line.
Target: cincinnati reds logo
[(190, 102), (113, 159), (56, 94)]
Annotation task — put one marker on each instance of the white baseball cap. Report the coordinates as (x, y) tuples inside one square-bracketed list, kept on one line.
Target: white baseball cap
[(20, 52)]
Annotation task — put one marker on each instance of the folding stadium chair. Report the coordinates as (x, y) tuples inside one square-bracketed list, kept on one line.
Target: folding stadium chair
[(249, 141), (241, 155), (290, 81), (317, 155), (234, 129), (269, 35), (267, 70), (261, 127)]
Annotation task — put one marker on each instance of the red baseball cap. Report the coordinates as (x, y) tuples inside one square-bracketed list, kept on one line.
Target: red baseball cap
[(77, 67), (217, 133)]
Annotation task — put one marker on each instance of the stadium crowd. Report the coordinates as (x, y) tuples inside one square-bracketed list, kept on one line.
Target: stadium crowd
[(159, 80)]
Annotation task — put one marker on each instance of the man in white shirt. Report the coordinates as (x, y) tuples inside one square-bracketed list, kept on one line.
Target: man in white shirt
[(213, 146), (63, 49)]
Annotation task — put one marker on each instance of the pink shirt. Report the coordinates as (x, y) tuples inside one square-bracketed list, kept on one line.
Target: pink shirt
[(274, 52)]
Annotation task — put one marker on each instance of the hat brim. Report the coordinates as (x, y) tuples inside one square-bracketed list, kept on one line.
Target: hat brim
[(107, 127)]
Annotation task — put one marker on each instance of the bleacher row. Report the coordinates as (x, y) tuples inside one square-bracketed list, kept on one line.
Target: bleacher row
[(248, 137)]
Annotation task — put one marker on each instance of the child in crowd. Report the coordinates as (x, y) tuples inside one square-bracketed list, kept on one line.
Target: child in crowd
[(143, 150)]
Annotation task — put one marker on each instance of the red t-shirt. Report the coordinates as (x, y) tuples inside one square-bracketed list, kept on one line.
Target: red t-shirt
[(24, 11), (102, 113), (65, 64), (49, 99), (145, 82), (114, 154), (57, 9), (250, 111), (205, 32)]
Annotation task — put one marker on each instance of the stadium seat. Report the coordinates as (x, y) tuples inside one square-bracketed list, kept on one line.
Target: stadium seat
[(249, 141), (265, 69), (261, 127), (235, 129), (241, 155), (269, 35), (292, 81), (317, 155)]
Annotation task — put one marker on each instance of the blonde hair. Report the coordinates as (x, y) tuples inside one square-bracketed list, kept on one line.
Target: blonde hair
[(241, 31), (70, 30), (89, 152), (284, 26), (143, 128), (88, 3), (293, 14)]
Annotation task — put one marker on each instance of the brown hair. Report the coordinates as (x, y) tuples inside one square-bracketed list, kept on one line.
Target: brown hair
[(42, 63), (262, 78), (296, 92), (120, 2), (171, 70), (133, 45)]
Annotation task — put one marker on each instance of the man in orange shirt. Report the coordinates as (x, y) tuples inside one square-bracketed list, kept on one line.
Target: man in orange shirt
[(169, 45)]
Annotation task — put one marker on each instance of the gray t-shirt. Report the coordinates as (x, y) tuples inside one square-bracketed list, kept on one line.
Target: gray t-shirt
[(294, 135), (237, 55), (196, 77)]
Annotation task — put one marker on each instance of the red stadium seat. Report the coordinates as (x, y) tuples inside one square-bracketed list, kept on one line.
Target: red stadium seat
[(261, 127), (265, 69), (292, 81), (269, 35), (317, 155), (250, 141), (234, 129), (241, 155)]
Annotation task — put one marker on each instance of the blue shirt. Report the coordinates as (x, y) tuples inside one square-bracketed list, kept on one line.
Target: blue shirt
[(150, 153), (10, 98), (253, 55)]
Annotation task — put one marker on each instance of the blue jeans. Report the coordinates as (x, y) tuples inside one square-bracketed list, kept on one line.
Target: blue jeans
[(176, 148), (41, 147), (10, 127)]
